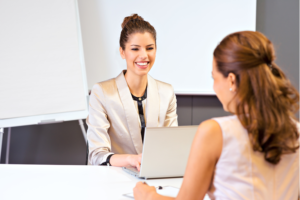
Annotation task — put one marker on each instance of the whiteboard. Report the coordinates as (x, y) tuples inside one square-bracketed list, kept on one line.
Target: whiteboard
[(187, 33), (43, 76)]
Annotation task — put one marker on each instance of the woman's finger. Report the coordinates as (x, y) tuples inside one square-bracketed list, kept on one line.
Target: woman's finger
[(138, 166), (140, 158), (139, 184), (135, 191)]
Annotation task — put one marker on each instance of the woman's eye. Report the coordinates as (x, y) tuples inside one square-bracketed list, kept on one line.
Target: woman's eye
[(150, 48), (135, 49)]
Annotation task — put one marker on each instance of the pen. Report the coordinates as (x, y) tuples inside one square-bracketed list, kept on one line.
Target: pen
[(159, 187)]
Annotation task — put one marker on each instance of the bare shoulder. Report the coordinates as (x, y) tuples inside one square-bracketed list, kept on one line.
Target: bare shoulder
[(210, 127), (209, 137)]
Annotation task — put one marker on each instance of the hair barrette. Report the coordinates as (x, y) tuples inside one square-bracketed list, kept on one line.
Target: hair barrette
[(270, 66)]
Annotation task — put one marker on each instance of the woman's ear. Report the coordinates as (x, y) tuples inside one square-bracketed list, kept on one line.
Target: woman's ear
[(232, 82), (122, 53)]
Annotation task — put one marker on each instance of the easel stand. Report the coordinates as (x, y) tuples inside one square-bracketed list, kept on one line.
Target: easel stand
[(7, 142), (8, 146), (82, 130), (9, 134), (1, 138)]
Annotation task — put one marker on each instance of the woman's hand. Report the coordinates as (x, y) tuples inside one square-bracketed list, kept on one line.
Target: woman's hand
[(135, 161), (143, 191), (123, 160)]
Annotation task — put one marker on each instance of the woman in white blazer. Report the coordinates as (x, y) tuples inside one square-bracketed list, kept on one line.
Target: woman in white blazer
[(121, 108)]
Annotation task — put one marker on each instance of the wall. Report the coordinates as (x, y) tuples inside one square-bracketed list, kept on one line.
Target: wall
[(63, 143)]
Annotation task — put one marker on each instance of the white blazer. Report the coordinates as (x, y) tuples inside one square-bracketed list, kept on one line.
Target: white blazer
[(113, 121)]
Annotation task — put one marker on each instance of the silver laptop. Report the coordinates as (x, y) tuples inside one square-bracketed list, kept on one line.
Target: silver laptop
[(165, 152)]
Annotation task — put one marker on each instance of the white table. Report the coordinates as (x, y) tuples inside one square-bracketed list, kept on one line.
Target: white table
[(69, 182)]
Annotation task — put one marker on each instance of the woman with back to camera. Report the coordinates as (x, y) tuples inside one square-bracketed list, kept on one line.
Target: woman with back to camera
[(121, 108), (254, 153)]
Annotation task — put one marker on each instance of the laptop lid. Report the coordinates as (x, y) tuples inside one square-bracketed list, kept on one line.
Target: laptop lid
[(166, 151)]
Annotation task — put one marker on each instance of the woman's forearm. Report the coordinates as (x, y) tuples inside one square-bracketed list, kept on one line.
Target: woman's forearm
[(123, 160), (119, 160)]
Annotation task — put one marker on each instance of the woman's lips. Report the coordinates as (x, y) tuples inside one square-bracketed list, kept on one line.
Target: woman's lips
[(142, 65)]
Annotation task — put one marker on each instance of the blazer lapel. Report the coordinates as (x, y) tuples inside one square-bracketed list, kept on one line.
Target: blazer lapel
[(130, 112), (152, 103)]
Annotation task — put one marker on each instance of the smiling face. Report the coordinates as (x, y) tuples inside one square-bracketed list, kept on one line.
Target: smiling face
[(224, 87), (140, 53)]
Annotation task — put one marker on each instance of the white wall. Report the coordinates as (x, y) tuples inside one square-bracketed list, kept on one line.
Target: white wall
[(187, 33)]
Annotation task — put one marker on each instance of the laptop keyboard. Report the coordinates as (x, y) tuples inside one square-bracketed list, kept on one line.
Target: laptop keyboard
[(132, 171)]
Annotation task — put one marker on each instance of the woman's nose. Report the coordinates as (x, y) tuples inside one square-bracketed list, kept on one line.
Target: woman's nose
[(143, 55)]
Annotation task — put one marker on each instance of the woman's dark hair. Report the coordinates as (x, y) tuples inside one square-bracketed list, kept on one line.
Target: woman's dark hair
[(266, 100), (135, 24)]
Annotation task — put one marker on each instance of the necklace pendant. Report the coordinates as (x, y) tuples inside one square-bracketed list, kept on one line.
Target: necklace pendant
[(139, 98)]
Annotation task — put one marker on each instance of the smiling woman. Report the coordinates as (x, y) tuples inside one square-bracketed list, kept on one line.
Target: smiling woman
[(139, 52), (122, 107)]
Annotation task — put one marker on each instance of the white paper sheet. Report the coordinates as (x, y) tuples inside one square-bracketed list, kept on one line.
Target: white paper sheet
[(168, 191)]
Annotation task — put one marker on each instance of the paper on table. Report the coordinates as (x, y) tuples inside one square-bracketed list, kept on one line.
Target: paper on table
[(168, 191)]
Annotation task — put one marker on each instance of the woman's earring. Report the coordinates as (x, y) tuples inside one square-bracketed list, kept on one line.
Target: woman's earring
[(230, 89)]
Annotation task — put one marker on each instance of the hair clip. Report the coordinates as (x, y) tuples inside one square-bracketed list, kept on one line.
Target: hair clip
[(270, 66)]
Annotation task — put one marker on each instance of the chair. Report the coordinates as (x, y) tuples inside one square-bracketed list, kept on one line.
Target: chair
[(87, 153)]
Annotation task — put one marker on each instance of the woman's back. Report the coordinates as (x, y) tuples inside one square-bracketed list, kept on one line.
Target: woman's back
[(242, 173), (253, 155)]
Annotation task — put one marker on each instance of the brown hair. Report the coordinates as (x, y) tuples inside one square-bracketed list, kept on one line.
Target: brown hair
[(135, 24), (266, 100)]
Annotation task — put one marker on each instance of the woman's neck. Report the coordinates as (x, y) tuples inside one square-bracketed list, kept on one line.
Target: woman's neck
[(137, 84)]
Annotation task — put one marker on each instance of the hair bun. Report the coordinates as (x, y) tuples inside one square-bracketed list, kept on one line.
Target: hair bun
[(132, 17), (269, 53)]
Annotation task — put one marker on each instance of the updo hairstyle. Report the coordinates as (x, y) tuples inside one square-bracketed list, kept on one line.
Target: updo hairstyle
[(135, 24), (266, 100)]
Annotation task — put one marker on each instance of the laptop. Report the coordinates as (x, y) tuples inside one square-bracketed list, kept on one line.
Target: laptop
[(165, 152)]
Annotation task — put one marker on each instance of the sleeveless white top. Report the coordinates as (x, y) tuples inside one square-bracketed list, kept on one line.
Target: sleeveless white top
[(243, 174)]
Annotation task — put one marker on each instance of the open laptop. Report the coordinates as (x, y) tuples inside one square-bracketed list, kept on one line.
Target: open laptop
[(165, 152)]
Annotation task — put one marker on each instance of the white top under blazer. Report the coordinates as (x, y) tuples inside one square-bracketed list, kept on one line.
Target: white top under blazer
[(113, 121), (243, 174)]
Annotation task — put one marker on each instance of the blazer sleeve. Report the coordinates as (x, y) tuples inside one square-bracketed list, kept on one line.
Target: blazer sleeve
[(98, 125), (171, 116)]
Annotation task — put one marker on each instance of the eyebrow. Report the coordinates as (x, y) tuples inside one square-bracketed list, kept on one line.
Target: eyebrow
[(139, 45)]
